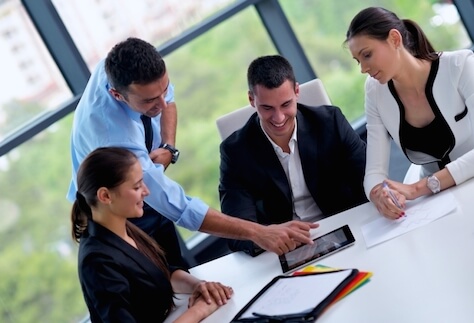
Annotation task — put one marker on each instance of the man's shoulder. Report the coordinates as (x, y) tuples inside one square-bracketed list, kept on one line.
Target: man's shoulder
[(244, 134), (97, 89), (322, 111)]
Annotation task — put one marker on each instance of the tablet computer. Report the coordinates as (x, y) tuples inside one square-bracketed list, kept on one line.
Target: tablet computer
[(323, 246)]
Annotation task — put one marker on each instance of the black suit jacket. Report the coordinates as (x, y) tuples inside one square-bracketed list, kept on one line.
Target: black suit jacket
[(119, 283), (253, 184)]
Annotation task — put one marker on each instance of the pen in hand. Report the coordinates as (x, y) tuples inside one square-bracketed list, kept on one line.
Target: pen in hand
[(392, 196)]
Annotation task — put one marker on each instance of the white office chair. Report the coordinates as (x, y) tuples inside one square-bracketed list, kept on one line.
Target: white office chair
[(311, 93), (413, 174)]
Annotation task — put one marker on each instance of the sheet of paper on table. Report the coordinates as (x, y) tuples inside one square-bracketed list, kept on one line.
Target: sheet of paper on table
[(419, 212)]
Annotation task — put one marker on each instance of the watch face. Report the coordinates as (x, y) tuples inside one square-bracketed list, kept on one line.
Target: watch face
[(174, 157), (174, 152), (433, 184)]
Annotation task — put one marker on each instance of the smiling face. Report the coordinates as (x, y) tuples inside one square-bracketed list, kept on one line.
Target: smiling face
[(126, 200), (276, 109), (147, 99), (377, 58)]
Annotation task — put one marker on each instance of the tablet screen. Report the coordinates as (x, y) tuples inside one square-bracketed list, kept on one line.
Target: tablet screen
[(323, 246)]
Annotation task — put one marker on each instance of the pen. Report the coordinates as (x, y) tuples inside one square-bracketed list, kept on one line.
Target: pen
[(392, 196), (302, 317)]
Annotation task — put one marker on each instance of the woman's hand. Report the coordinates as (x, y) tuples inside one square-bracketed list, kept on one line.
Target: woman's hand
[(409, 191), (384, 202), (210, 292)]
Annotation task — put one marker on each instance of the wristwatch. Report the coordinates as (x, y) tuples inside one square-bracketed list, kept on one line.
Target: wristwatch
[(173, 150), (433, 184)]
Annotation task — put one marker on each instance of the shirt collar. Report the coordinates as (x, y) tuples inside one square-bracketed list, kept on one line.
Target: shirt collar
[(293, 139)]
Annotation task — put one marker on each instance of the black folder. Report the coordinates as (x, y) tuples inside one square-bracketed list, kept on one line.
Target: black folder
[(300, 298)]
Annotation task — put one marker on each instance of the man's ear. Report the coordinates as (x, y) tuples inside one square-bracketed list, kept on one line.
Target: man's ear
[(251, 98), (116, 94), (103, 195), (297, 89)]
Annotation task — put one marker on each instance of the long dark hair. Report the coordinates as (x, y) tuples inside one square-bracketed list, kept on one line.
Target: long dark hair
[(376, 22), (108, 167)]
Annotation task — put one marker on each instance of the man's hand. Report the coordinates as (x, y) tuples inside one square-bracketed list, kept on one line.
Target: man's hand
[(161, 156), (281, 238)]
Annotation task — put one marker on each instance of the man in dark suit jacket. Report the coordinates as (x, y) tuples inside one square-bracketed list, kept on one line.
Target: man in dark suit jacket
[(289, 161)]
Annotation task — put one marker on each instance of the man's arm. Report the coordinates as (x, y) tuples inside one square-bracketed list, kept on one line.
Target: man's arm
[(234, 198), (168, 124), (356, 158), (277, 238)]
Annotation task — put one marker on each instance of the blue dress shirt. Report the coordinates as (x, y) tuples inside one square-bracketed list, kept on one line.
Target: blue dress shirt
[(102, 121)]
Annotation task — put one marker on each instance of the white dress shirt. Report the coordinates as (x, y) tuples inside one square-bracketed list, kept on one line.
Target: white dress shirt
[(304, 206)]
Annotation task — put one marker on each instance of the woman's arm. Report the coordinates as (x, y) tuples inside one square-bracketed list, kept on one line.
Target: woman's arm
[(184, 282), (206, 297), (378, 140), (404, 192), (420, 188), (198, 312)]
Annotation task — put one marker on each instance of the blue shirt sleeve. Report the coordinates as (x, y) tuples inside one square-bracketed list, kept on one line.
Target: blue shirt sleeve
[(101, 121), (169, 97)]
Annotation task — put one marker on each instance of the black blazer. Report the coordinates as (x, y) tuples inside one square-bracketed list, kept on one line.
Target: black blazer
[(253, 184), (119, 283)]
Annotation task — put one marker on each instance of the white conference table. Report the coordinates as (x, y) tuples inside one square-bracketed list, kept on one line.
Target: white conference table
[(426, 275)]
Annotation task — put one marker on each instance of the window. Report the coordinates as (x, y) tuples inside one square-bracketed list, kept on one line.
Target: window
[(321, 27), (96, 26), (31, 83), (210, 80)]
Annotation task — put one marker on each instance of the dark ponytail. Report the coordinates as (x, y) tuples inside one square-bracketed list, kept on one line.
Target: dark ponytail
[(417, 43), (104, 167), (108, 167), (376, 22), (80, 215)]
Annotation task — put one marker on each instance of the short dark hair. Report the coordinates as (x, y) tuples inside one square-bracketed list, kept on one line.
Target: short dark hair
[(376, 22), (133, 61), (269, 71)]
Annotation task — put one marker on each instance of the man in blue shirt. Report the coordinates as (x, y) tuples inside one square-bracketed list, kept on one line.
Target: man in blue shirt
[(130, 83)]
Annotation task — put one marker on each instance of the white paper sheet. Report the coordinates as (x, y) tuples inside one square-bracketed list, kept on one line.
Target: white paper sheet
[(298, 294), (418, 213)]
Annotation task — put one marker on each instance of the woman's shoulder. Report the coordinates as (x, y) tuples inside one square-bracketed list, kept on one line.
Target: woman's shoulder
[(370, 82), (457, 57), (374, 87)]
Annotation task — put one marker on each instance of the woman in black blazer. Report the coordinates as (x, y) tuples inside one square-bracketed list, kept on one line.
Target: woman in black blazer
[(123, 272)]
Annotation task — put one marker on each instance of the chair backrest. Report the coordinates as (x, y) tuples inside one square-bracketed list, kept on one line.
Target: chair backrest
[(311, 93), (413, 174)]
